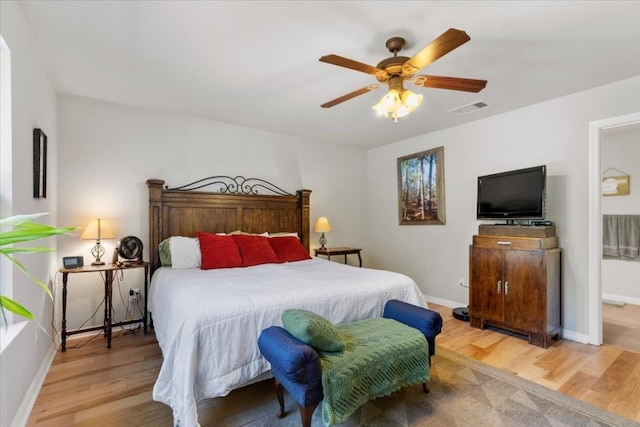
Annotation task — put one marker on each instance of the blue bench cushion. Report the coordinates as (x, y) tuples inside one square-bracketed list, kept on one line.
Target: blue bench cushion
[(380, 357), (426, 321)]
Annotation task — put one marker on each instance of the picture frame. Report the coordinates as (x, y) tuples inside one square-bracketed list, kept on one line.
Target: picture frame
[(615, 185), (39, 164), (421, 197)]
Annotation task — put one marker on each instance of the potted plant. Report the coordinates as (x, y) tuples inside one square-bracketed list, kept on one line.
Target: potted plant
[(20, 229)]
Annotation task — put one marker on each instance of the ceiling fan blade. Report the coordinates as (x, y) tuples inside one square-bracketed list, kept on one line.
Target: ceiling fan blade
[(354, 65), (348, 96), (448, 41), (452, 83)]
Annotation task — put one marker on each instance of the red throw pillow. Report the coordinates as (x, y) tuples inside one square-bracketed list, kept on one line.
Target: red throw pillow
[(218, 251), (288, 249), (255, 250)]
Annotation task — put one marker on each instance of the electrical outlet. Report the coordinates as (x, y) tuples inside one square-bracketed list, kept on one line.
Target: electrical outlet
[(133, 296)]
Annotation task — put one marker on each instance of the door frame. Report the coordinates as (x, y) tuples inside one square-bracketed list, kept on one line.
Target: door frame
[(594, 312)]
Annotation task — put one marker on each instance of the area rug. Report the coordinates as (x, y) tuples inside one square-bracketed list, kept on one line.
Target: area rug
[(462, 392)]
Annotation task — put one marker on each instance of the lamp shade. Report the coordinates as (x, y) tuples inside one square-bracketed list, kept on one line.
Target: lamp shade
[(322, 225), (97, 229), (398, 103)]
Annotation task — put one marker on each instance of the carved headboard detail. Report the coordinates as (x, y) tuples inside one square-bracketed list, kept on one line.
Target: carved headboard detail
[(237, 205)]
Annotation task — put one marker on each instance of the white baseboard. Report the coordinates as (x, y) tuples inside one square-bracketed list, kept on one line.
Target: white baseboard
[(24, 411), (575, 336), (623, 298), (566, 334), (444, 302)]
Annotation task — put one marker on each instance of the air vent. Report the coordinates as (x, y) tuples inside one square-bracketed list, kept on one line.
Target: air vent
[(469, 108)]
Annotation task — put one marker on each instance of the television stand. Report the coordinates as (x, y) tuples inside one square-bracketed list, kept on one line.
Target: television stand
[(517, 230), (514, 283)]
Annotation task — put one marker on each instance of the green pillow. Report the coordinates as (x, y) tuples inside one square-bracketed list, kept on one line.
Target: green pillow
[(164, 251), (312, 329)]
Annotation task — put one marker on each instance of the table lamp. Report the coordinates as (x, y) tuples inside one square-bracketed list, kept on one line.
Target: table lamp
[(97, 229), (322, 226)]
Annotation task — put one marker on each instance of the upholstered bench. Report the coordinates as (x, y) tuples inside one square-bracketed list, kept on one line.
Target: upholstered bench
[(346, 365)]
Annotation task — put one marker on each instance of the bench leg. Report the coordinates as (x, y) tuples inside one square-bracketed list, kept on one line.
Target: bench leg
[(306, 413), (424, 385), (280, 396)]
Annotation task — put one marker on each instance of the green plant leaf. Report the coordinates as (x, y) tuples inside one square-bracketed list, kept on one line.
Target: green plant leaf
[(23, 229), (26, 250), (29, 233), (11, 305), (14, 220)]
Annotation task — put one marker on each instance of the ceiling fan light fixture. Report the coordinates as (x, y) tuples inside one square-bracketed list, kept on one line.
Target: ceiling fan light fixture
[(398, 104), (395, 70), (380, 110), (391, 101), (402, 112), (411, 100)]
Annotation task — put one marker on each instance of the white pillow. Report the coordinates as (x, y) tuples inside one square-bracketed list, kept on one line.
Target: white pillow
[(185, 252), (265, 234), (283, 234)]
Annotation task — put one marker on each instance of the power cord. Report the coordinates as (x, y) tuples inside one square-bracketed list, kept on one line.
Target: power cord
[(129, 311)]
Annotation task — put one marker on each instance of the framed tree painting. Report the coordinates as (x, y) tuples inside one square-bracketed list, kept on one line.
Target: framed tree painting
[(421, 188), (39, 164)]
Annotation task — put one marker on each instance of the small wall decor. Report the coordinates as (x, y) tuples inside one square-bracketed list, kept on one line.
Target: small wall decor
[(39, 164), (617, 185), (421, 188)]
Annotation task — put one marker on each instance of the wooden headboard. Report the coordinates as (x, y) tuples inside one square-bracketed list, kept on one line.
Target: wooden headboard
[(185, 210)]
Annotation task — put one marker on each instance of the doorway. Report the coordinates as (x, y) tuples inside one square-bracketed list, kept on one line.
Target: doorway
[(596, 130)]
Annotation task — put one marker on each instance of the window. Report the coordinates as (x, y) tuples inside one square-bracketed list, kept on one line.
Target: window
[(6, 175)]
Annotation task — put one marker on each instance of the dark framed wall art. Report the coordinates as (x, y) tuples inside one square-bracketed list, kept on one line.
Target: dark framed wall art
[(39, 164), (421, 188)]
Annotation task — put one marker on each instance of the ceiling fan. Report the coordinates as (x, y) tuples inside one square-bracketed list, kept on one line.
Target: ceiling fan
[(395, 70)]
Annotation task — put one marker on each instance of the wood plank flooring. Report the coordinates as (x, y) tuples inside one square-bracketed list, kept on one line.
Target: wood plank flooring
[(621, 326), (95, 386)]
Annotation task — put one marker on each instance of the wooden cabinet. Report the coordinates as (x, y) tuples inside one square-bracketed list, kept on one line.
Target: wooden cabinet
[(514, 284)]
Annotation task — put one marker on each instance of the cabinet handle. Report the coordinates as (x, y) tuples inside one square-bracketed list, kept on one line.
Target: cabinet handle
[(504, 243), (499, 286), (506, 288)]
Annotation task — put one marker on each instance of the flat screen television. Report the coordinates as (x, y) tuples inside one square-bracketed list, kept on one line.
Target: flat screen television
[(513, 195)]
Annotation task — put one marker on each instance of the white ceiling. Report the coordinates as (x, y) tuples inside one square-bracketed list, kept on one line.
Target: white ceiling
[(255, 63)]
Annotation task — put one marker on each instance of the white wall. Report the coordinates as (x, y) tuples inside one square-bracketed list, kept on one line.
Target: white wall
[(554, 133), (100, 156), (107, 152), (26, 349), (621, 276)]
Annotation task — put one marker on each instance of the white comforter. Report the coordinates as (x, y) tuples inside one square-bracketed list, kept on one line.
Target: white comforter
[(207, 322)]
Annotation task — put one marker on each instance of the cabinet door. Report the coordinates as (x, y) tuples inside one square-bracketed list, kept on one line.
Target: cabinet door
[(485, 284), (525, 276)]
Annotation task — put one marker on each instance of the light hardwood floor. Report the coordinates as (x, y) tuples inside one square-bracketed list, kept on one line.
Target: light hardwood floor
[(94, 386), (621, 326)]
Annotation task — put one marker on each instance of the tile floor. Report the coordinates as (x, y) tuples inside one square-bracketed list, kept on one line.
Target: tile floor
[(621, 326)]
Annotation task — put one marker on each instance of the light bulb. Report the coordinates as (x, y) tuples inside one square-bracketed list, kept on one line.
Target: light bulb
[(402, 112), (411, 100), (380, 110), (391, 101)]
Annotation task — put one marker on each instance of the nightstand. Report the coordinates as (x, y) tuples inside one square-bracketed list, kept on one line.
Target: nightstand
[(328, 252), (108, 270)]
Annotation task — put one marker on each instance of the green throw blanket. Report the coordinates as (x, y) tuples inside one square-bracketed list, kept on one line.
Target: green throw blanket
[(380, 357)]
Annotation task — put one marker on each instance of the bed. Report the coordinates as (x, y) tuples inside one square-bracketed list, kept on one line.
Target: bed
[(207, 322)]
